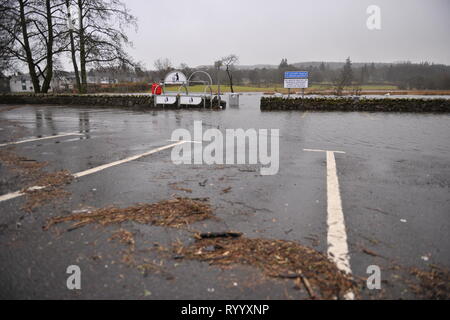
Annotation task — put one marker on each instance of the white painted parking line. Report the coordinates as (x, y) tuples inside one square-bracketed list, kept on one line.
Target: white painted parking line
[(10, 196), (16, 194), (112, 164), (43, 138), (336, 235), (187, 141), (320, 150)]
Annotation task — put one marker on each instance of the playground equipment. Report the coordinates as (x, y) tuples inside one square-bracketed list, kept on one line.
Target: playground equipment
[(183, 97)]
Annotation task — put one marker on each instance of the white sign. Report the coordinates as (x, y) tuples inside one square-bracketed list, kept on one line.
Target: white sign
[(175, 77), (165, 100), (296, 83), (190, 100)]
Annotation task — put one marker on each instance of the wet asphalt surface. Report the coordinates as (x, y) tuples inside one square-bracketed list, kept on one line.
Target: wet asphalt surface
[(394, 181)]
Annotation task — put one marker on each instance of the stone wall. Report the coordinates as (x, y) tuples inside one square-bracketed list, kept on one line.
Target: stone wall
[(206, 105), (356, 104), (131, 101), (81, 100)]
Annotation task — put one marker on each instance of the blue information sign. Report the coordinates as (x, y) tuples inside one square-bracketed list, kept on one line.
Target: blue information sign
[(296, 75)]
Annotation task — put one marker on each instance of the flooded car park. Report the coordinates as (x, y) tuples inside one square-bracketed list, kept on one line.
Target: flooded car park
[(393, 174)]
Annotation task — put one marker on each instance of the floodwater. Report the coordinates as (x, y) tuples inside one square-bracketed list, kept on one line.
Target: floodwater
[(394, 180), (335, 130)]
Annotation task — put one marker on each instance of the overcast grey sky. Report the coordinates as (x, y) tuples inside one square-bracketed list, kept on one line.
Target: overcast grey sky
[(198, 32)]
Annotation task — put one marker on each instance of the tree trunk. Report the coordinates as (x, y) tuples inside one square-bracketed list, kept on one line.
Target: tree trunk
[(230, 76), (49, 72), (29, 55), (73, 51), (82, 49)]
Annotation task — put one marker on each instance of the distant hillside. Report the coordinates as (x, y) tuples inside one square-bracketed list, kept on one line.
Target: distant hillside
[(336, 65), (244, 67), (331, 65)]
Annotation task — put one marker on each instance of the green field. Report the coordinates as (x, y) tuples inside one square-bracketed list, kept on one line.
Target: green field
[(276, 88)]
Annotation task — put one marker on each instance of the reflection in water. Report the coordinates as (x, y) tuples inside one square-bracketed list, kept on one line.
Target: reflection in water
[(39, 123), (84, 124), (49, 123), (178, 117)]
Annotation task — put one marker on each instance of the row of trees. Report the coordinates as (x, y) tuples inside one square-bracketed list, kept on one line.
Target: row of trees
[(405, 75), (39, 33), (335, 75)]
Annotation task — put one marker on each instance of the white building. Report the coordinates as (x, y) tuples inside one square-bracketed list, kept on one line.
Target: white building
[(65, 81), (101, 79), (21, 83)]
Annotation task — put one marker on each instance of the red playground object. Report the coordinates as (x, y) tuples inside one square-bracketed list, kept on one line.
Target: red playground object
[(156, 89)]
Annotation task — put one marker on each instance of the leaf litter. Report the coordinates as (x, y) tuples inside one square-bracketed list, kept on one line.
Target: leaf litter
[(307, 267), (32, 174), (52, 189), (174, 213), (26, 167), (433, 284), (144, 266), (276, 258)]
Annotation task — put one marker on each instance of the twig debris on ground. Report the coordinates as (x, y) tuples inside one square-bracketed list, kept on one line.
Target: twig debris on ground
[(174, 213), (31, 174), (276, 258)]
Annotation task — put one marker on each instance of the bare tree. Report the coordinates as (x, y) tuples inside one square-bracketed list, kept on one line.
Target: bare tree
[(162, 66), (29, 30), (51, 32), (14, 30), (6, 63), (345, 78), (217, 65), (100, 37), (73, 51), (185, 69), (229, 62)]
